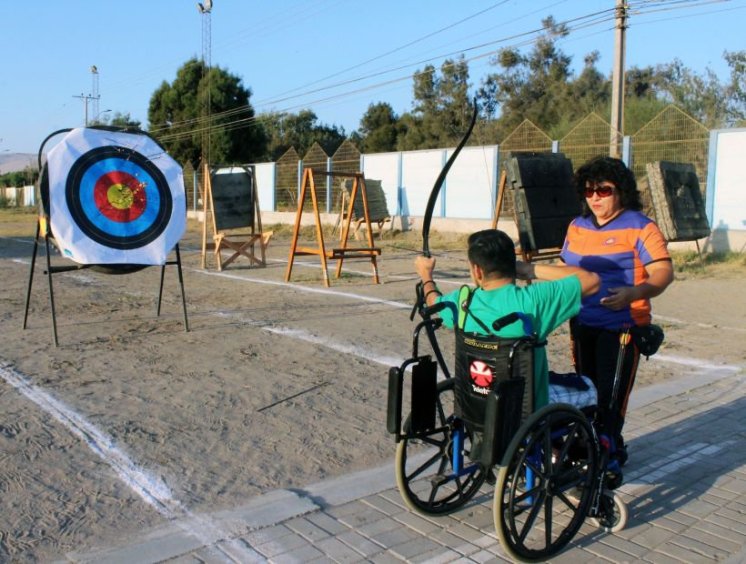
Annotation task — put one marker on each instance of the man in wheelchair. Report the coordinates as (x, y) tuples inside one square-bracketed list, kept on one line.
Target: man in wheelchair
[(494, 270), (495, 419), (541, 308)]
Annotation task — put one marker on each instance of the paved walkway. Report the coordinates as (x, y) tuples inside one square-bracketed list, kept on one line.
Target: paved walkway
[(685, 486)]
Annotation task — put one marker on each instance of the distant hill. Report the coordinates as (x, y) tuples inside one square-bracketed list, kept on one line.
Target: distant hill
[(12, 162)]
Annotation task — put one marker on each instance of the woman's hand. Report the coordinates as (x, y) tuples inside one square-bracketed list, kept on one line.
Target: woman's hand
[(660, 275), (620, 297)]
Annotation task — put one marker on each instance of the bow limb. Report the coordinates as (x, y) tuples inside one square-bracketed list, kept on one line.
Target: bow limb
[(439, 184)]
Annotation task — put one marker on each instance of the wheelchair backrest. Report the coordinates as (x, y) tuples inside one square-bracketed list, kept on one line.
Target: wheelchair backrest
[(491, 364)]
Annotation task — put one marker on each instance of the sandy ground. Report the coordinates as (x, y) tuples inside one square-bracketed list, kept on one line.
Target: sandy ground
[(132, 421)]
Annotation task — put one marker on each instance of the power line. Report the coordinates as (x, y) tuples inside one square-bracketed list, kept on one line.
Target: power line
[(642, 7)]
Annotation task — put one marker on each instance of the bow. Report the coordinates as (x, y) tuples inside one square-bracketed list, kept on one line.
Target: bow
[(439, 184)]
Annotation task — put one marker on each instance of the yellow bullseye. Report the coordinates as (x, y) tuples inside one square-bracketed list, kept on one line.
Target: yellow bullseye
[(120, 196)]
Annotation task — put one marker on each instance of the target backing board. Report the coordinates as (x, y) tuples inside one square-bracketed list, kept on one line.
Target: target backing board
[(115, 198)]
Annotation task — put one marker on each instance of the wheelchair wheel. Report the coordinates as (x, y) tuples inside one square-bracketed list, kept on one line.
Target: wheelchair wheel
[(425, 472), (545, 486), (612, 513)]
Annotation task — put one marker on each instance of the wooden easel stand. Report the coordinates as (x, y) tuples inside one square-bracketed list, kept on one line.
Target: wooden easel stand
[(308, 186)]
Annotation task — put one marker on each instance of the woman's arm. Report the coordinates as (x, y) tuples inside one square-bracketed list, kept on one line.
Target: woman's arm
[(660, 276)]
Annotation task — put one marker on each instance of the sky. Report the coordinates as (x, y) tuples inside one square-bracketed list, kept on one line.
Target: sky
[(334, 57)]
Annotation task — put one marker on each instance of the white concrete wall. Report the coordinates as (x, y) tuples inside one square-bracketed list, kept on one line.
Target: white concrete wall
[(726, 191), (467, 201)]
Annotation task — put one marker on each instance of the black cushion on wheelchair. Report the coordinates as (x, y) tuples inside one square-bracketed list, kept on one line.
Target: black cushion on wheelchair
[(482, 363)]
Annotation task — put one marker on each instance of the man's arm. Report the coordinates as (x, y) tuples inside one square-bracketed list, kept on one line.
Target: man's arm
[(424, 266), (590, 282)]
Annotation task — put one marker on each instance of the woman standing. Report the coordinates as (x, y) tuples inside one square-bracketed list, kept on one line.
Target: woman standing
[(627, 250)]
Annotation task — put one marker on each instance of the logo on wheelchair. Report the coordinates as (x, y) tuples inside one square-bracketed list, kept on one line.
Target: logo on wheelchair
[(481, 376)]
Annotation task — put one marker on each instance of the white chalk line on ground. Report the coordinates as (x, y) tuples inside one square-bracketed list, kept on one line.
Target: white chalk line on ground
[(404, 277), (387, 361), (308, 289), (24, 241), (149, 488), (696, 363), (698, 324)]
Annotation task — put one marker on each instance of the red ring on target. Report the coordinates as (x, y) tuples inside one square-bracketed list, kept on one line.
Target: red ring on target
[(119, 196)]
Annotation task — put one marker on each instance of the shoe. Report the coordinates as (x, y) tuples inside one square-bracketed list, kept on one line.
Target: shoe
[(490, 478), (621, 455), (621, 451), (613, 477)]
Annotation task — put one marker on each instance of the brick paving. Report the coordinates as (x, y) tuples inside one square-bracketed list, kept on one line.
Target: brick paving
[(685, 487)]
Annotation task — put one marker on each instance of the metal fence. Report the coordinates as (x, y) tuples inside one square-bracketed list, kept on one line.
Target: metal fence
[(672, 135)]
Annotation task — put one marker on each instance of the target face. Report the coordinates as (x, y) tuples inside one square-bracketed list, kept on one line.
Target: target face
[(118, 198), (115, 198)]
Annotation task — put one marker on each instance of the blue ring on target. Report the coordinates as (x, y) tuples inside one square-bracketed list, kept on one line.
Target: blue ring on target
[(84, 211)]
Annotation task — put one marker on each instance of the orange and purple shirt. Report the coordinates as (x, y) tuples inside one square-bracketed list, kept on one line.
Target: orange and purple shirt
[(618, 252)]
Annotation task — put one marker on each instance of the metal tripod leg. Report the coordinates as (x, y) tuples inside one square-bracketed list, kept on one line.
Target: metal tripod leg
[(31, 273)]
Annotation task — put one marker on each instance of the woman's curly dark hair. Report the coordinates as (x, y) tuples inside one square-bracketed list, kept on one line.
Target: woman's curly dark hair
[(608, 169)]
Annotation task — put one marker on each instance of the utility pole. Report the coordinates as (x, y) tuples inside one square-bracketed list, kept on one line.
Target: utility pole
[(86, 98), (617, 81), (206, 11), (95, 96)]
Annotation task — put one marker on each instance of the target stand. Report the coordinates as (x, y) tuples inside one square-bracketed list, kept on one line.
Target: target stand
[(308, 187), (544, 202), (231, 207), (113, 201)]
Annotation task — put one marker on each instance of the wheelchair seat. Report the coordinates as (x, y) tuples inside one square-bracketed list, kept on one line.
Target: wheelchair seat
[(573, 389)]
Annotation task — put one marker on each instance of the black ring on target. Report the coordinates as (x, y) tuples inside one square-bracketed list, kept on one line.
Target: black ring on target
[(142, 203)]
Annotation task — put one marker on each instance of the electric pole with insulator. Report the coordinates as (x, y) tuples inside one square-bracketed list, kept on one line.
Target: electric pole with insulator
[(617, 81)]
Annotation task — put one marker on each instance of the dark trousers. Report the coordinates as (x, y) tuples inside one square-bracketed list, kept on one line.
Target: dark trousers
[(595, 353)]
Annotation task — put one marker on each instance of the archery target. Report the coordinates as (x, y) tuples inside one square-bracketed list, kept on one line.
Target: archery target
[(115, 198)]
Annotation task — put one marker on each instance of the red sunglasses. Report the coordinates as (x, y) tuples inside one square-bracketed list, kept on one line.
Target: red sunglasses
[(603, 191)]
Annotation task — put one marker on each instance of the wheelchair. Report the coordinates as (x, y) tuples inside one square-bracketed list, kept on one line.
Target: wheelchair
[(549, 466)]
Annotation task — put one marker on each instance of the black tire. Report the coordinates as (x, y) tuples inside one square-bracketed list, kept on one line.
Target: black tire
[(557, 445), (424, 470)]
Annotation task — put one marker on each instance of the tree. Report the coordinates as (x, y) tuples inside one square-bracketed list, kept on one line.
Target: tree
[(701, 96), (736, 88), (379, 128), (284, 130), (176, 119), (441, 108), (539, 86), (124, 120)]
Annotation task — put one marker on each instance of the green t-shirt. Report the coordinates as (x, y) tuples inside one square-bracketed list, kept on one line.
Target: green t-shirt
[(548, 304)]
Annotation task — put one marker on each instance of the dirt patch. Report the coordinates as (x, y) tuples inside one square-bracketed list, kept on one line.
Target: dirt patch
[(276, 385)]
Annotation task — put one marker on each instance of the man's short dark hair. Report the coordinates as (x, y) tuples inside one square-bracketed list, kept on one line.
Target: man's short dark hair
[(609, 169), (493, 251)]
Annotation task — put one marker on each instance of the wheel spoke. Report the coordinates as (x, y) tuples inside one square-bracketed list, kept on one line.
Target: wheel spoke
[(433, 487), (548, 519), (557, 448), (532, 515), (424, 466)]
